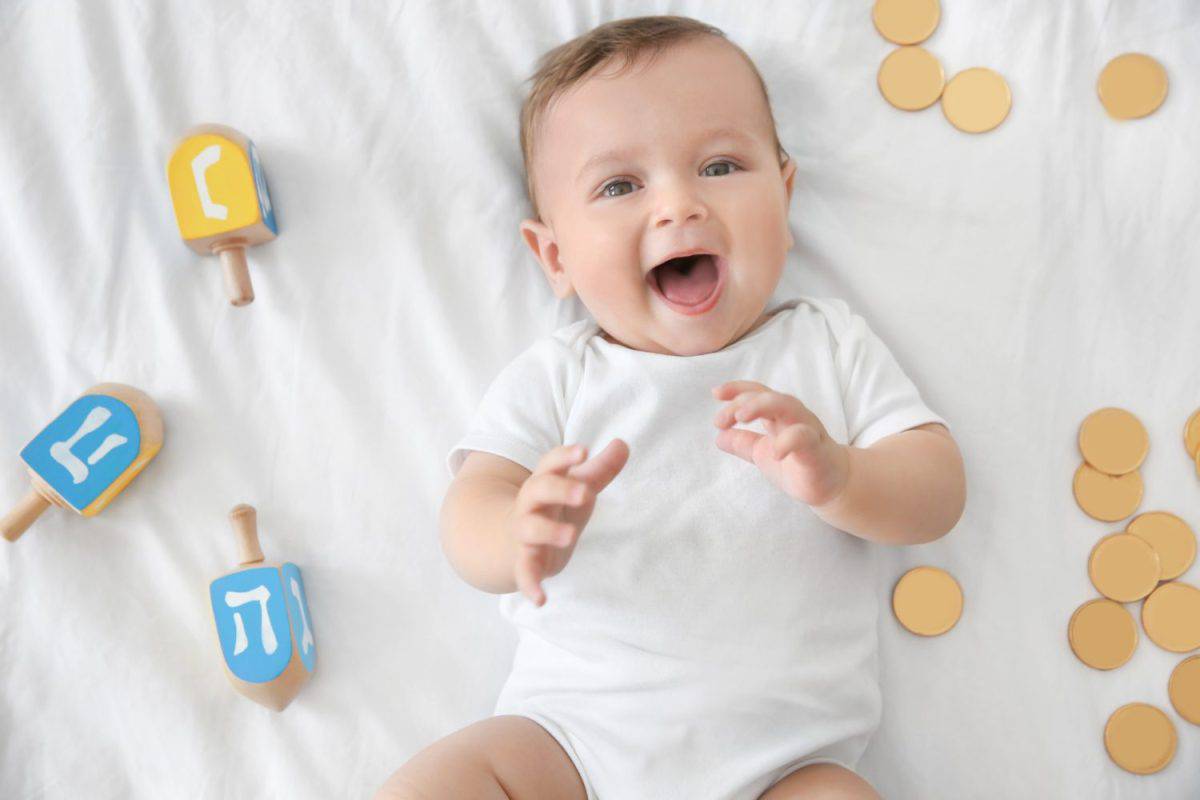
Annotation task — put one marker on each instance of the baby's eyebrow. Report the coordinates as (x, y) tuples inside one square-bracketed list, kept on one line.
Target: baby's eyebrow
[(621, 154)]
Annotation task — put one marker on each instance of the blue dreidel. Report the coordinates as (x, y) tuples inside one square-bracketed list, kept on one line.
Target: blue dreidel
[(88, 454), (261, 615)]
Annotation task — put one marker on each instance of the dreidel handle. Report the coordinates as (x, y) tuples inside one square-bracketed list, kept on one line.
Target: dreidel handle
[(16, 521), (245, 526), (237, 274)]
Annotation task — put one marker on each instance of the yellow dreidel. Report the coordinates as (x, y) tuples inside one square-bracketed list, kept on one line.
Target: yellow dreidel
[(88, 454), (221, 200), (261, 616)]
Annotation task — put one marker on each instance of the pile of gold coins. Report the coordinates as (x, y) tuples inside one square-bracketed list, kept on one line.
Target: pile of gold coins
[(978, 99), (1140, 563)]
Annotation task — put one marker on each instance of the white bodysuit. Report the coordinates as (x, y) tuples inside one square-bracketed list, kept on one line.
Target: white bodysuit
[(710, 634)]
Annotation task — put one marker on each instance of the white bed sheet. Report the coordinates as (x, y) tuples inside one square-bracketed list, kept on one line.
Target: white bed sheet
[(1023, 278)]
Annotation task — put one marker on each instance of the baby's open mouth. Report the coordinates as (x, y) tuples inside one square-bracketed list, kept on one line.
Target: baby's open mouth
[(689, 284)]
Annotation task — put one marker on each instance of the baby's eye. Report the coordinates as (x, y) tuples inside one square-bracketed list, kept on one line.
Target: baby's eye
[(731, 166), (611, 184)]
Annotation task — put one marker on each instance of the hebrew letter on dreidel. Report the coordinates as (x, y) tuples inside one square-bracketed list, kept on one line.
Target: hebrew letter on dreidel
[(200, 164), (260, 594), (300, 618), (61, 451), (306, 640)]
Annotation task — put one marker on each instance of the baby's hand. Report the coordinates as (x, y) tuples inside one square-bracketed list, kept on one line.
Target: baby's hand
[(796, 454), (553, 506)]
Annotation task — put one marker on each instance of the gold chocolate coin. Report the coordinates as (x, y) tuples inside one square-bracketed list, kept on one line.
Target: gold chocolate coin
[(1191, 434), (1140, 738), (927, 601), (1107, 497), (1113, 441), (1170, 537), (910, 78), (1184, 689), (1102, 634), (1132, 85), (1123, 567), (1171, 617), (976, 100), (906, 21)]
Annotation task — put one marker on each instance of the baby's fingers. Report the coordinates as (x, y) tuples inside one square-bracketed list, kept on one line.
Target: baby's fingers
[(774, 405), (731, 388), (528, 573), (537, 529), (561, 458), (548, 489)]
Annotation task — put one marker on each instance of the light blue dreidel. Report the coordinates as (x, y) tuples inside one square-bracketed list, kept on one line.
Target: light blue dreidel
[(88, 454), (262, 622)]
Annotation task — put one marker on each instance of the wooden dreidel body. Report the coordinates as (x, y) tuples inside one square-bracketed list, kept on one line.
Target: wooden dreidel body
[(88, 454), (260, 611), (221, 200)]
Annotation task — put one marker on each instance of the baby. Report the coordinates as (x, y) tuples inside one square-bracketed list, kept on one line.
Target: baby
[(695, 619)]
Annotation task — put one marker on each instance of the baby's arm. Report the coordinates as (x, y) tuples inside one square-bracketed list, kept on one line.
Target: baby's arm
[(475, 535), (907, 488)]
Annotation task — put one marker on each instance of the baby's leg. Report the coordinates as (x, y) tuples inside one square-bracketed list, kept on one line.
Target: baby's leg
[(821, 782), (496, 758)]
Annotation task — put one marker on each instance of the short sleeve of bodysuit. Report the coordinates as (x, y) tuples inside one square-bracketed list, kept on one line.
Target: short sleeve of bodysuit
[(523, 411), (878, 397)]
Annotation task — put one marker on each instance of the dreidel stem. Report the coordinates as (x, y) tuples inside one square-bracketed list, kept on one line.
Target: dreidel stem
[(16, 521), (245, 526), (237, 274)]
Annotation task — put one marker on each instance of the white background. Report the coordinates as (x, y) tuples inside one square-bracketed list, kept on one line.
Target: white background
[(1023, 278)]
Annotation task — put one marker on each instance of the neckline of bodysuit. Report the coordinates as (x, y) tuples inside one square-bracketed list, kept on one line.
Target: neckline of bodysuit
[(779, 312)]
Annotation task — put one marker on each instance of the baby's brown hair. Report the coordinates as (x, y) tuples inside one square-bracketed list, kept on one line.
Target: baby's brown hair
[(569, 63)]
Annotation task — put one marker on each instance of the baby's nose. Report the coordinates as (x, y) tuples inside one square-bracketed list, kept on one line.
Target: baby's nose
[(693, 213), (679, 203)]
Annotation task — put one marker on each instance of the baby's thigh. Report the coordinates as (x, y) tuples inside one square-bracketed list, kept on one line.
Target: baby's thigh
[(499, 757), (821, 782)]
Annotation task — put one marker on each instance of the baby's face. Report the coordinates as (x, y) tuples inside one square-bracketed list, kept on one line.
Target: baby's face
[(669, 157)]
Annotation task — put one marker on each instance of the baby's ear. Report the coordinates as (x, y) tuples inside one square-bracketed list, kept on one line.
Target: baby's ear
[(541, 241), (788, 171)]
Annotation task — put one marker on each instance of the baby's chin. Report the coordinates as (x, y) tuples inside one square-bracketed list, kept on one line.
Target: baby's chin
[(690, 339)]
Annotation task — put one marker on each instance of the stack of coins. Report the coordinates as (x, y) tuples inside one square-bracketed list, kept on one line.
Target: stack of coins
[(911, 78), (1140, 563), (1108, 486)]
